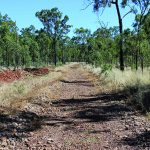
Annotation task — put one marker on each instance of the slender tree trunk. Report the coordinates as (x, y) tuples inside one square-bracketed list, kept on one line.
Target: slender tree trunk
[(142, 62), (3, 57), (121, 57), (63, 60), (138, 48), (55, 53), (7, 56), (136, 59), (132, 59)]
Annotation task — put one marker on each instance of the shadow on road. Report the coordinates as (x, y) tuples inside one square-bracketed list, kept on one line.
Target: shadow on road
[(95, 108), (19, 124), (92, 109), (140, 140), (79, 82), (88, 109)]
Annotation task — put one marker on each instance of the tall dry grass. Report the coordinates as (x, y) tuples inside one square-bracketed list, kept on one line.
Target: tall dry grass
[(17, 91), (10, 92), (132, 82)]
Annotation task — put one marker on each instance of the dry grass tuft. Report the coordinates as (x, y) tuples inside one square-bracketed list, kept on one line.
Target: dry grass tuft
[(117, 80), (134, 83), (19, 92)]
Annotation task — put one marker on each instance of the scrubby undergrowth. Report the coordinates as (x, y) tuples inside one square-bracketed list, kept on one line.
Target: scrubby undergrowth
[(136, 84)]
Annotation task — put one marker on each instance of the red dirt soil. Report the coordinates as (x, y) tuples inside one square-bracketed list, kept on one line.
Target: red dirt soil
[(12, 75)]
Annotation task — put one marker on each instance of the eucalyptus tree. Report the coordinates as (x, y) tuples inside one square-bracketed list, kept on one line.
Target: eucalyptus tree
[(8, 40), (142, 4), (142, 9), (145, 44), (73, 52), (45, 48), (28, 41), (81, 38), (146, 26), (55, 25), (91, 48), (130, 46), (63, 44), (104, 3), (104, 39)]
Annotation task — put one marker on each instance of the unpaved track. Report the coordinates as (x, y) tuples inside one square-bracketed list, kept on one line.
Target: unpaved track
[(81, 117)]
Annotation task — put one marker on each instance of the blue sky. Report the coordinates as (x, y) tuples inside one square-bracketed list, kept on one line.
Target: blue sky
[(23, 12)]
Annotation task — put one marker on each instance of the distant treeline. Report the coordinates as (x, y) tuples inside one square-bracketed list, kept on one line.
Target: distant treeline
[(52, 45)]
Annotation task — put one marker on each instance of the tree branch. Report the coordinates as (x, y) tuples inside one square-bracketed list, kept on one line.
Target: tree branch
[(126, 14), (87, 6)]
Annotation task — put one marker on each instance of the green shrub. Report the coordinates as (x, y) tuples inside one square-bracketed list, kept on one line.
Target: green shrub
[(19, 88), (106, 68)]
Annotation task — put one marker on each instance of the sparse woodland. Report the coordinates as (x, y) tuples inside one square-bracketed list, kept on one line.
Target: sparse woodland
[(33, 47), (93, 86)]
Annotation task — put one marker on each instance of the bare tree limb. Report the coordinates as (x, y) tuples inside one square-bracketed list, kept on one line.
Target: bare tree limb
[(102, 24), (87, 6), (127, 14)]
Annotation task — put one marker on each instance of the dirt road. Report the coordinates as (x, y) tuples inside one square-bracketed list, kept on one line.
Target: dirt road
[(80, 117)]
